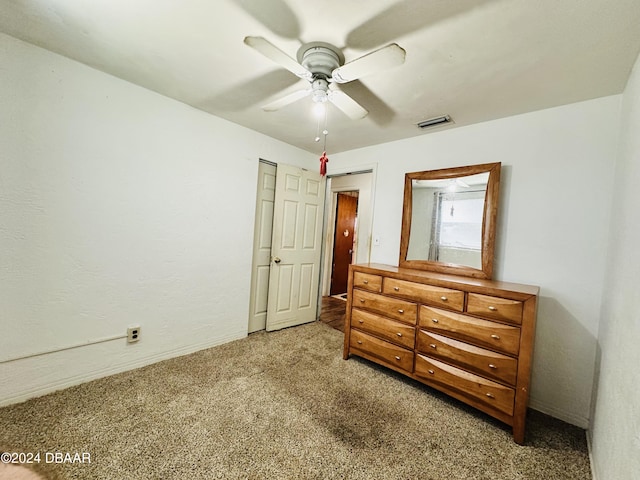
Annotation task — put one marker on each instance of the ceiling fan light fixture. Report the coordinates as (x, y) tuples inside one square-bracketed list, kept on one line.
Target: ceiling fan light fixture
[(318, 96), (435, 121), (319, 109), (319, 88)]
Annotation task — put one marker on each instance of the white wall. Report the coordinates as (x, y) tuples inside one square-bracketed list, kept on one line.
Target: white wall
[(615, 427), (117, 206), (552, 227)]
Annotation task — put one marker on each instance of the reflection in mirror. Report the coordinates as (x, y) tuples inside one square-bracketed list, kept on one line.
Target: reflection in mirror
[(446, 220), (449, 220)]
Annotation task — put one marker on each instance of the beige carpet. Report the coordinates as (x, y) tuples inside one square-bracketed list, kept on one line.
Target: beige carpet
[(280, 405)]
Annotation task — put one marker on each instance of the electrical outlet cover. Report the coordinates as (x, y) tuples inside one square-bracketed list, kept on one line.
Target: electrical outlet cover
[(133, 334)]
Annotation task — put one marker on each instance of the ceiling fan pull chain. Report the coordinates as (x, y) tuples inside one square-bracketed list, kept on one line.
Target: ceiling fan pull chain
[(325, 132), (317, 139)]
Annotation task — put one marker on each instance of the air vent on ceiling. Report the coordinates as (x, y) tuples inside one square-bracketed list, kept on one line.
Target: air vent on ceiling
[(434, 122)]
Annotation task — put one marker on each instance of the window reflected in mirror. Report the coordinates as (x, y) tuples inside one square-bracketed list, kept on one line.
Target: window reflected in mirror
[(446, 220)]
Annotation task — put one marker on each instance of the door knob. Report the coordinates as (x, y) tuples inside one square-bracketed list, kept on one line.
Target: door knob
[(277, 259)]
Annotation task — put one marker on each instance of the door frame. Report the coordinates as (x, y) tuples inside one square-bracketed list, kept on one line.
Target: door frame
[(331, 204)]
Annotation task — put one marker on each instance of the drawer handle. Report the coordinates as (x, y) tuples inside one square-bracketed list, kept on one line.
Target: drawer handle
[(360, 321), (492, 308), (443, 298), (397, 289), (397, 357), (433, 345), (359, 342), (490, 395), (366, 282), (434, 320), (495, 337), (431, 372), (491, 365), (362, 300), (400, 311), (399, 334)]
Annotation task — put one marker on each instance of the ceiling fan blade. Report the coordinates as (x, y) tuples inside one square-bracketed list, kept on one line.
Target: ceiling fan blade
[(273, 53), (286, 100), (348, 105), (381, 59)]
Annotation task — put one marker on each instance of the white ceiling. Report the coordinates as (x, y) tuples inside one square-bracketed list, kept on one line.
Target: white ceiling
[(475, 60)]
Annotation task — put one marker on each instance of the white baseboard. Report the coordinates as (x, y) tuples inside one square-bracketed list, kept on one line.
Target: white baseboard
[(119, 368), (594, 476)]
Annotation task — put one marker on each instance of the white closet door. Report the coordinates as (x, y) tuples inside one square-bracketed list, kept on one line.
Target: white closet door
[(295, 247), (262, 247)]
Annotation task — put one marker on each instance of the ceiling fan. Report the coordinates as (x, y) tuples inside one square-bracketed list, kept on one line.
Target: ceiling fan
[(322, 65)]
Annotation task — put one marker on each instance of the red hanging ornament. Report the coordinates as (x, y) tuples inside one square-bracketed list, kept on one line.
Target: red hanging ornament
[(323, 164)]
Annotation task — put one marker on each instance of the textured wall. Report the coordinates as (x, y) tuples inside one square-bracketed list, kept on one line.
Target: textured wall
[(615, 431), (118, 207)]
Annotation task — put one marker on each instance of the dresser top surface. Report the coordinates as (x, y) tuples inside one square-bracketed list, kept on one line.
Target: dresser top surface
[(446, 280)]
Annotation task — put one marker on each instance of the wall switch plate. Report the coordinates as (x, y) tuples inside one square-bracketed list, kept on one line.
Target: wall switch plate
[(133, 334)]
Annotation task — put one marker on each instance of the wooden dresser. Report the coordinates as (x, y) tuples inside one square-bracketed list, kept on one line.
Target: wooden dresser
[(469, 338)]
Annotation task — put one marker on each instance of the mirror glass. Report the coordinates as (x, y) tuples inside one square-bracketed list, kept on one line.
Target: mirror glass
[(449, 220)]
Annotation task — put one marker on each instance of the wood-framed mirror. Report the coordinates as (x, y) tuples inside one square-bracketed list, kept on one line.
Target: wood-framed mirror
[(449, 220)]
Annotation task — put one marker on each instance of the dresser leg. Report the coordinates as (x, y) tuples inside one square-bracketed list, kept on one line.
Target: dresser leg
[(518, 433)]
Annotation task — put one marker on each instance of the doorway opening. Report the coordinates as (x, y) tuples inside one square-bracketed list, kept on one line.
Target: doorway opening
[(349, 217)]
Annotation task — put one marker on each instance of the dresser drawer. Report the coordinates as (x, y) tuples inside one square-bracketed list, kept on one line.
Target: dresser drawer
[(382, 327), (443, 297), (495, 308), (484, 333), (366, 281), (385, 351), (479, 360), (389, 307), (485, 391)]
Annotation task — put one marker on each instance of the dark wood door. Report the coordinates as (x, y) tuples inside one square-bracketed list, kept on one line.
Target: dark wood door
[(343, 242)]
